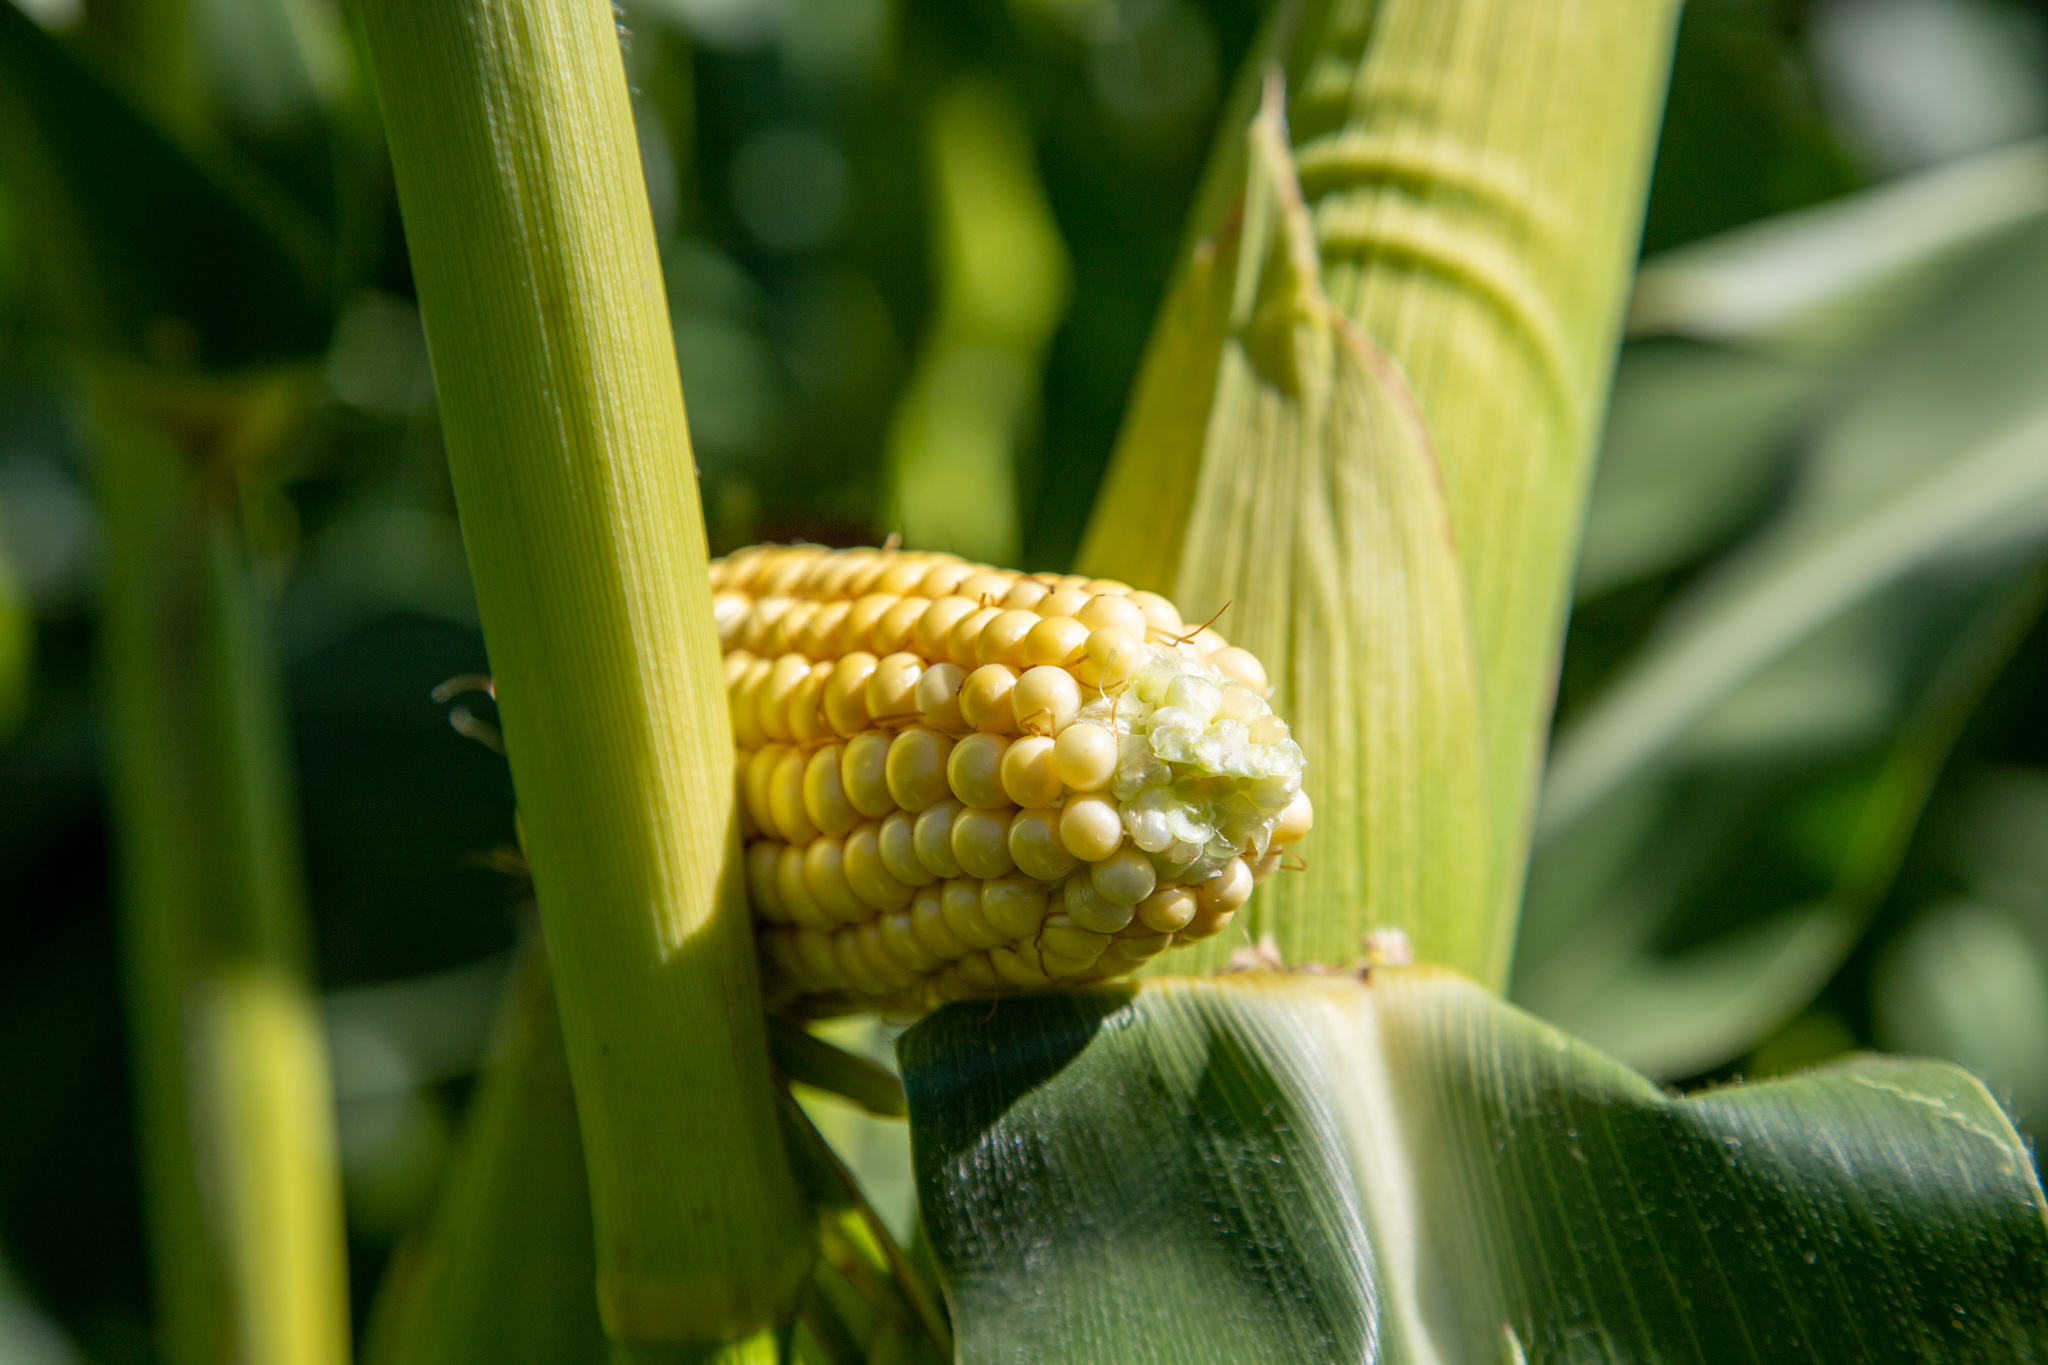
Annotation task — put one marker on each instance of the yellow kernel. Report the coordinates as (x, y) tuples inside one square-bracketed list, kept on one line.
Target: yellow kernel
[(1056, 640), (846, 700), (744, 700), (1085, 756), (825, 875), (857, 631), (773, 702), (1160, 615), (760, 623), (891, 692), (729, 612), (1063, 601), (820, 962), (1096, 587), (1167, 909), (928, 922), (806, 717), (795, 890), (779, 947), (1013, 907), (1035, 845), (944, 578), (1241, 665), (788, 570), (880, 960), (1227, 890), (916, 769), (937, 624), (757, 783), (932, 839), (863, 773), (761, 882), (985, 699), (786, 799), (1024, 595), (1017, 968), (1045, 700), (985, 587), (819, 639), (1134, 950), (868, 875), (1091, 828), (904, 945), (825, 798), (1086, 907), (782, 636), (1267, 729), (1124, 878), (981, 843), (1262, 868), (1205, 924), (1059, 934), (1207, 641), (960, 641), (1239, 703), (1028, 775), (961, 902), (1002, 640), (978, 975), (1295, 821), (903, 574), (938, 698), (1060, 967), (974, 771), (853, 964), (898, 626), (894, 841), (736, 663), (861, 580), (1113, 611), (1111, 658)]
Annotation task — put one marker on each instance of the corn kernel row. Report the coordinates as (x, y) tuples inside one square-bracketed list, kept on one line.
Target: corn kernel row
[(945, 782)]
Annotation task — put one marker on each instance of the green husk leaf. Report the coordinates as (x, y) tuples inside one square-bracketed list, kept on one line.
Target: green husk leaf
[(1318, 518), (506, 1271), (1315, 1168)]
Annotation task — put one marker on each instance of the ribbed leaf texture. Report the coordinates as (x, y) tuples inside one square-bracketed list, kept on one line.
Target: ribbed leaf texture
[(1285, 1167)]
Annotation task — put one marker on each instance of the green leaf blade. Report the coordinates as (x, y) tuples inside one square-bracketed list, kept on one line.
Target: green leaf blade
[(1287, 1167)]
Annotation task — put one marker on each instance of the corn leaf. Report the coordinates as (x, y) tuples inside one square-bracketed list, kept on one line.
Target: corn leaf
[(150, 248), (1311, 1168), (1942, 455)]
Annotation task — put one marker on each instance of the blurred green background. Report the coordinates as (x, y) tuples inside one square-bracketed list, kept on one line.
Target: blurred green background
[(913, 250)]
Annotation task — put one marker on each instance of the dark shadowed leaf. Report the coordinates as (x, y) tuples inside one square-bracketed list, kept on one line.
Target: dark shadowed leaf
[(1308, 1168)]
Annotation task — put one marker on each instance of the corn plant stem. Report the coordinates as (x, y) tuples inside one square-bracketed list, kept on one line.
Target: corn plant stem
[(541, 289), (505, 1271), (236, 1114)]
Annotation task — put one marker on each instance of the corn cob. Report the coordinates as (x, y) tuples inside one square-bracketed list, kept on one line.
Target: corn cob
[(957, 781)]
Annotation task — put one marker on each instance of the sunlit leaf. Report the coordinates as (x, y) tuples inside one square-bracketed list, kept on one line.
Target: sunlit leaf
[(1943, 455), (1307, 1168), (1316, 525)]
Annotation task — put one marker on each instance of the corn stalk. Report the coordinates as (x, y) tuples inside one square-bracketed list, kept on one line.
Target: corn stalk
[(237, 1121), (540, 287)]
